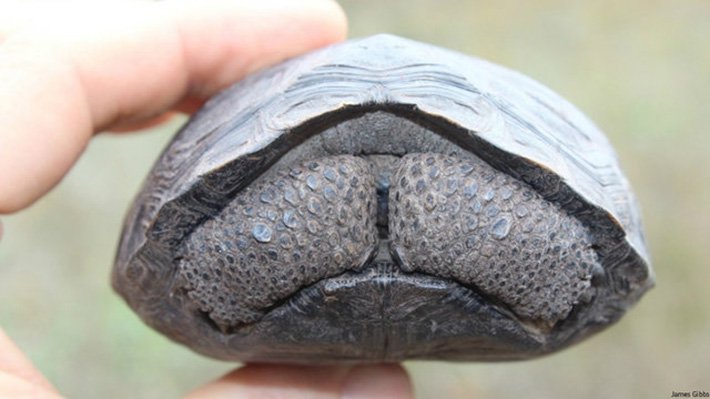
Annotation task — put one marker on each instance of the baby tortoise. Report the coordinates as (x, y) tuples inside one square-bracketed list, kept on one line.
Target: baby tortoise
[(380, 200)]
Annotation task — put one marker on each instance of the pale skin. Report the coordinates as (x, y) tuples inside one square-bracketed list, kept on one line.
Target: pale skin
[(71, 70)]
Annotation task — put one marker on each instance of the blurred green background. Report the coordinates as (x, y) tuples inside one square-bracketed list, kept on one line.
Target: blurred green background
[(640, 69)]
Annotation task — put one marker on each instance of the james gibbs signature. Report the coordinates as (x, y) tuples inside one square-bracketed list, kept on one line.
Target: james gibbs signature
[(690, 394)]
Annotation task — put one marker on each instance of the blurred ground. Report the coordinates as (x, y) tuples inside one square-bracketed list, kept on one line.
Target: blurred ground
[(640, 69)]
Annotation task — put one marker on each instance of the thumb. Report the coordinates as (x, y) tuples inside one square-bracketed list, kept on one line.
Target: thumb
[(18, 377), (312, 382)]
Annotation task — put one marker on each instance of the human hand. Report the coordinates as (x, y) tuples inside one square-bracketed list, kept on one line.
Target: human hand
[(70, 70)]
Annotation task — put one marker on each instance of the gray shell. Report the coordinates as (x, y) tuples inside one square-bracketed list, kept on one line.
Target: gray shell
[(511, 149)]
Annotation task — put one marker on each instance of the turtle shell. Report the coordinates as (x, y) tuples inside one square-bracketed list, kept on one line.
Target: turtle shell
[(380, 200)]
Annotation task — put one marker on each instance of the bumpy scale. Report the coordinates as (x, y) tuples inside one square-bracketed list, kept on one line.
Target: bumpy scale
[(462, 219), (299, 225)]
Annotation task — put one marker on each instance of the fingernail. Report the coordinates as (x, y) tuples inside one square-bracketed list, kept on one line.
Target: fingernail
[(375, 382)]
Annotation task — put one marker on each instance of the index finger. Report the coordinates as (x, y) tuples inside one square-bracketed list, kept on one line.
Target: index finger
[(65, 74)]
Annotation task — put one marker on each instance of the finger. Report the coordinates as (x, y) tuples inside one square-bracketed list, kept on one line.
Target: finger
[(13, 387), (312, 382), (143, 124), (381, 381), (73, 71), (185, 106), (17, 374)]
